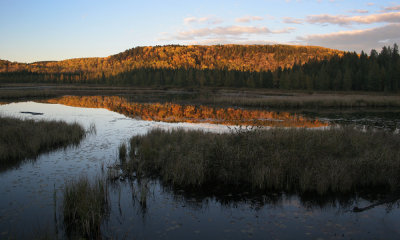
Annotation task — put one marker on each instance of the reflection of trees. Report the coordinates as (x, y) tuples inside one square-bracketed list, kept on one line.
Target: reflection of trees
[(170, 112), (200, 198)]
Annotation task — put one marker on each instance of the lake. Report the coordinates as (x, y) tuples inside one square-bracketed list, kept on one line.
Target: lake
[(27, 206)]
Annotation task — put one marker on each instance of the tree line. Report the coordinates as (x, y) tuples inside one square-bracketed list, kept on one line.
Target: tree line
[(338, 71)]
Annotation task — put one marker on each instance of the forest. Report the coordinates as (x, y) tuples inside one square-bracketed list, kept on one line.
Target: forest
[(238, 66)]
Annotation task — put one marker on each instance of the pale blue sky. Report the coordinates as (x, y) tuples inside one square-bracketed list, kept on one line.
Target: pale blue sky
[(37, 30)]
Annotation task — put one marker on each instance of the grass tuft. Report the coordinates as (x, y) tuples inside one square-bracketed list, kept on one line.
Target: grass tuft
[(122, 153), (85, 206)]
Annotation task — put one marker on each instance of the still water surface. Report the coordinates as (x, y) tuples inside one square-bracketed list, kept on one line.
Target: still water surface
[(27, 203)]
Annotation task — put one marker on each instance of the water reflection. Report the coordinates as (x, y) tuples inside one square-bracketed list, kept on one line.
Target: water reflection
[(170, 112), (176, 213), (387, 120)]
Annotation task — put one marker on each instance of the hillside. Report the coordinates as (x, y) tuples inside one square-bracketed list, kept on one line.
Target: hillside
[(230, 57), (237, 66)]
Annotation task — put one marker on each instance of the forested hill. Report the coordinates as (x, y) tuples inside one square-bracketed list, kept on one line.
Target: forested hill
[(218, 57), (255, 66)]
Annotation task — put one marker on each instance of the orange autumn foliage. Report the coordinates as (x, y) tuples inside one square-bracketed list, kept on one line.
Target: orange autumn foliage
[(170, 112)]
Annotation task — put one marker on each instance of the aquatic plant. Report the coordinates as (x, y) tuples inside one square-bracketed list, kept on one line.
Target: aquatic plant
[(26, 139), (85, 206), (122, 153), (304, 101), (337, 160)]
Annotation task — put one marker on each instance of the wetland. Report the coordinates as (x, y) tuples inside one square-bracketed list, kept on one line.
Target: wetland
[(166, 170)]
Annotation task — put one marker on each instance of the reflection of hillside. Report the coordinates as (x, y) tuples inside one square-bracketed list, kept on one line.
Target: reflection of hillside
[(170, 112)]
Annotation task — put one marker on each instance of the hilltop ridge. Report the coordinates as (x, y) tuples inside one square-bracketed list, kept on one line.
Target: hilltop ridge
[(220, 57)]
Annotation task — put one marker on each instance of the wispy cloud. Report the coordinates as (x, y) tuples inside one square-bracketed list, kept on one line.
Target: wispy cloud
[(359, 11), (391, 8), (356, 39), (390, 17), (215, 41), (227, 31), (189, 20), (209, 20), (249, 19), (291, 20)]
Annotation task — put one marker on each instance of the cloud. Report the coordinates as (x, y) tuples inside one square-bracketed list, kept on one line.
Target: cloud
[(391, 17), (208, 20), (292, 20), (189, 20), (227, 31), (356, 40), (249, 19), (359, 11), (392, 8), (215, 41)]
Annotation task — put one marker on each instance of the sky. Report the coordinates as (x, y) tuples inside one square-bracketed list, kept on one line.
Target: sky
[(41, 30)]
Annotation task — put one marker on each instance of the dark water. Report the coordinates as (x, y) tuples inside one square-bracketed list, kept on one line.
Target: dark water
[(176, 215), (27, 194), (387, 120)]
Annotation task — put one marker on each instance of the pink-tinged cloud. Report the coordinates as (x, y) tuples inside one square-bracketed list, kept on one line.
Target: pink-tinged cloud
[(216, 41), (249, 19), (391, 8), (390, 17), (359, 11), (227, 31), (291, 20), (208, 20), (356, 40)]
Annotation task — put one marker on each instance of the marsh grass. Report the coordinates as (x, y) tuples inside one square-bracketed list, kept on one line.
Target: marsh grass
[(337, 160), (25, 94), (122, 153), (26, 139), (306, 101), (85, 207)]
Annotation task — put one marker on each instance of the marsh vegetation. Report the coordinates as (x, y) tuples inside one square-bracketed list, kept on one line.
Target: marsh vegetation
[(338, 160), (317, 101), (26, 139), (85, 207)]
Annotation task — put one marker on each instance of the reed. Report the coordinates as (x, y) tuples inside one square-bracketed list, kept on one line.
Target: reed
[(26, 139), (305, 101), (122, 153), (337, 160), (85, 207)]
